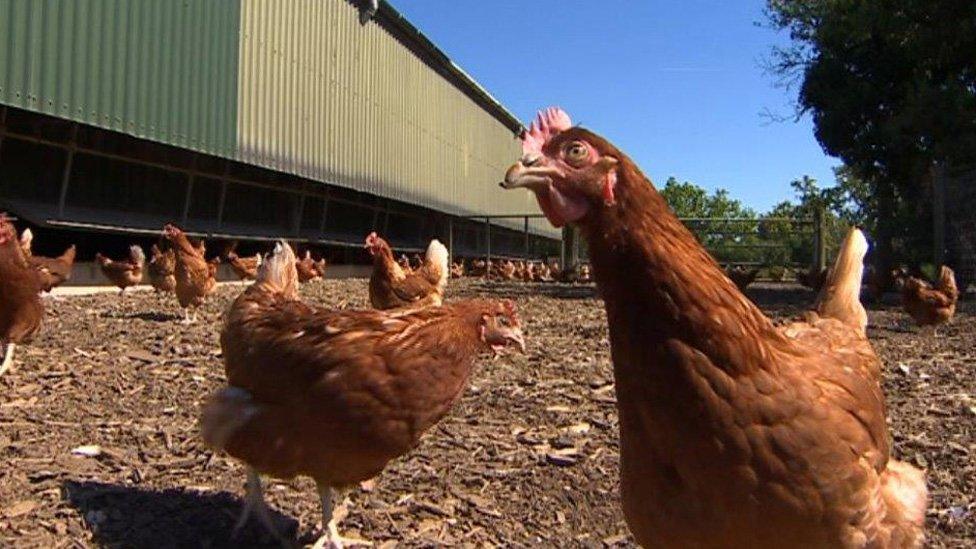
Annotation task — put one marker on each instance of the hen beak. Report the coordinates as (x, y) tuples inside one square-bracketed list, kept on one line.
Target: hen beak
[(515, 336), (529, 172)]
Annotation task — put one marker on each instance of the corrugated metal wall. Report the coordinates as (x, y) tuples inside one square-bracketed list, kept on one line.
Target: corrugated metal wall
[(294, 85), (333, 100), (156, 69)]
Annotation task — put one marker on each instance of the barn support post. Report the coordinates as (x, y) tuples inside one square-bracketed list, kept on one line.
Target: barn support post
[(569, 255), (186, 199), (325, 215), (938, 213), (66, 176), (819, 239), (526, 229), (297, 213), (488, 241), (450, 238)]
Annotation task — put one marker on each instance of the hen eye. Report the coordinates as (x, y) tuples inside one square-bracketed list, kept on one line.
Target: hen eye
[(504, 321), (576, 151)]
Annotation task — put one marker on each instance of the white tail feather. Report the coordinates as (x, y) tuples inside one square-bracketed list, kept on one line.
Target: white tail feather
[(437, 255), (137, 255)]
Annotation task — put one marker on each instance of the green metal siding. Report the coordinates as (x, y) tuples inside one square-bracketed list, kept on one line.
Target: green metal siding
[(158, 69), (298, 86)]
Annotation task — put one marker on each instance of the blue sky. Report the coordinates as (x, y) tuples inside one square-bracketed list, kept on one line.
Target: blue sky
[(676, 84)]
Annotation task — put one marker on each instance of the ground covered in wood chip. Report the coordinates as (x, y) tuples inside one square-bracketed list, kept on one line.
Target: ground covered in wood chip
[(99, 444)]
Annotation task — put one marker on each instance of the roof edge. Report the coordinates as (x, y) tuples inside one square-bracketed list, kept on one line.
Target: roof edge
[(414, 38)]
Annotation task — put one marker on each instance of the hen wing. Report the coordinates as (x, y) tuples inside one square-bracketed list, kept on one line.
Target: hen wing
[(413, 288)]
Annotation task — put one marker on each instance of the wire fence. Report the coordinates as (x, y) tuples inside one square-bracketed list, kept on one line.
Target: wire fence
[(772, 243)]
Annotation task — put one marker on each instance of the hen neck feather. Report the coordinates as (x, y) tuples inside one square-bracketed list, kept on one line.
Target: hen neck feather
[(661, 286)]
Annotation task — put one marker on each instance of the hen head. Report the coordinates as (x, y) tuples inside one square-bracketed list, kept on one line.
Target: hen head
[(171, 232), (376, 245), (571, 170), (8, 233), (500, 326)]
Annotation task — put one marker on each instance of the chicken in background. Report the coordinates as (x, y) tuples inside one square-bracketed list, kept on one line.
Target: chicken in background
[(53, 271), (27, 242), (812, 278), (928, 305), (507, 270), (309, 269), (195, 276), (421, 288), (457, 269), (124, 273), (528, 273), (404, 263), (741, 276), (21, 309), (479, 267), (162, 269), (734, 433), (336, 395), (416, 262), (246, 268), (545, 274)]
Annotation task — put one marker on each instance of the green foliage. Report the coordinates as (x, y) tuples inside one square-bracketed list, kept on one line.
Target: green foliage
[(783, 236), (891, 87)]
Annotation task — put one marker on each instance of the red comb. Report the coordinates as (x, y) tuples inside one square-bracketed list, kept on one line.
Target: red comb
[(546, 124)]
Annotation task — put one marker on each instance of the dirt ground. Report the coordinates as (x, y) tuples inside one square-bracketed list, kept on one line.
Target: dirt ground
[(529, 457)]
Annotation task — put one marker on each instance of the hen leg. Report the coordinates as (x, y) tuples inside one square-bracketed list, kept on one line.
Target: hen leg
[(254, 504), (331, 538), (8, 358)]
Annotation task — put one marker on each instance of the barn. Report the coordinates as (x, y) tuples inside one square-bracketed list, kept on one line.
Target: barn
[(311, 120)]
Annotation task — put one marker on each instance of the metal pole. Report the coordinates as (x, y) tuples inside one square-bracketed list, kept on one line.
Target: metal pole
[(325, 215), (450, 238), (563, 249), (186, 199), (488, 241), (526, 219), (66, 176), (298, 213)]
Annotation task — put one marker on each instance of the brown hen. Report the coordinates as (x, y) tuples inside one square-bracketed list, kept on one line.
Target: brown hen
[(246, 268), (927, 305), (124, 273), (336, 395), (734, 433), (195, 276), (391, 288), (162, 269), (53, 271), (21, 310)]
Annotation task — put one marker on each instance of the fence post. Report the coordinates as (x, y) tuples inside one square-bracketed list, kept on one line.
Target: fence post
[(938, 213), (820, 240)]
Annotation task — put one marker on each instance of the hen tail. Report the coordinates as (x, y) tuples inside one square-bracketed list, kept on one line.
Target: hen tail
[(137, 255), (69, 255), (437, 258), (840, 297), (228, 410), (26, 238), (278, 273), (906, 497), (947, 283)]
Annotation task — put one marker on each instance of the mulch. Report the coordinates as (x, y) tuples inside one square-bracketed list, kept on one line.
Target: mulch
[(99, 443)]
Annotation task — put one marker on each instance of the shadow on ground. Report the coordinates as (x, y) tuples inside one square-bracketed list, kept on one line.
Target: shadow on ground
[(124, 516)]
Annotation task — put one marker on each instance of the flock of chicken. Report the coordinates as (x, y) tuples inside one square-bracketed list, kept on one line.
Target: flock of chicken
[(735, 432)]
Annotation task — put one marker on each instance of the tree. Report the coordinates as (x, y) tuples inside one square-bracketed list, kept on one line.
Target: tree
[(891, 88)]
